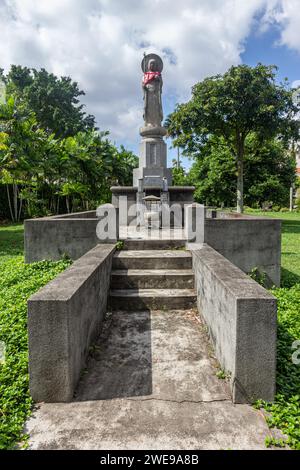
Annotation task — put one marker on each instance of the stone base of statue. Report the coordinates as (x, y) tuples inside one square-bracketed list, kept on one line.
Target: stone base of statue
[(153, 159), (179, 195)]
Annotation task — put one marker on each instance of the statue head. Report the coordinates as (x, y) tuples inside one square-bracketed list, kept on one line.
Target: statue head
[(152, 65)]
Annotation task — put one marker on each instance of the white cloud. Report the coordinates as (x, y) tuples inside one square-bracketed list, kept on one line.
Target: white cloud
[(100, 44), (286, 14)]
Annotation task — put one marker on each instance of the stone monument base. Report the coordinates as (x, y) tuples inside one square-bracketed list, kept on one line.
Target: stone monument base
[(180, 195)]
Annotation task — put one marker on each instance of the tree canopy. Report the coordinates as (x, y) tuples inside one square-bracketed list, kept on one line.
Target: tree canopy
[(52, 157), (245, 100), (55, 101)]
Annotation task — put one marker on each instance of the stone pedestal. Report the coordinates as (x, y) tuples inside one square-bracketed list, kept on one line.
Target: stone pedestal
[(153, 159)]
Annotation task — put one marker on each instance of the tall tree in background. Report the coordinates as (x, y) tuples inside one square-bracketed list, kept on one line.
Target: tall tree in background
[(52, 158), (244, 100), (269, 169), (55, 101)]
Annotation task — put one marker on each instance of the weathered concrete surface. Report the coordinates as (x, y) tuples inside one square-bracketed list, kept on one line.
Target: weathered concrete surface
[(150, 384), (242, 320), (152, 279), (51, 238), (64, 318), (152, 299), (152, 259), (248, 242)]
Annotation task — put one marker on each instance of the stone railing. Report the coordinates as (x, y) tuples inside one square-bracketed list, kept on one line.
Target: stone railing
[(241, 317), (64, 318)]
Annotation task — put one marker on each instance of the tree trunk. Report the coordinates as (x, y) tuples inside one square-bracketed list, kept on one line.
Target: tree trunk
[(240, 187), (240, 174), (20, 209), (9, 203), (15, 198), (68, 204)]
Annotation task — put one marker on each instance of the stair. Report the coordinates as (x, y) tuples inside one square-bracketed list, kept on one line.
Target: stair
[(152, 280)]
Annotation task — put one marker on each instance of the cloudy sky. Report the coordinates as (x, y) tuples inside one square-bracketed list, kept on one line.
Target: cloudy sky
[(100, 44)]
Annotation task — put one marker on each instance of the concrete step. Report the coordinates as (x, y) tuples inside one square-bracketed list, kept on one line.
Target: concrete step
[(152, 259), (152, 299), (152, 279), (153, 244)]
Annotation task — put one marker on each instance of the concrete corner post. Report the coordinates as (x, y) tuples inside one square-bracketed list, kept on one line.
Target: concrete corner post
[(194, 222)]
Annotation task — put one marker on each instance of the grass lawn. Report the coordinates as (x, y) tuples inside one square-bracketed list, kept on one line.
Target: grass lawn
[(285, 412), (17, 283)]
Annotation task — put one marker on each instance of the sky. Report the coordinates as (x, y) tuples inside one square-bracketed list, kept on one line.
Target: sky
[(100, 44)]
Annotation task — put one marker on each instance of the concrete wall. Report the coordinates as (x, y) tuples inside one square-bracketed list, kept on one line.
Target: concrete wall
[(248, 242), (52, 238), (180, 195), (64, 318), (241, 317)]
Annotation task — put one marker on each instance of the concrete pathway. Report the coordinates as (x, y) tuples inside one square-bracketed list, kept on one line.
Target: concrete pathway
[(150, 384)]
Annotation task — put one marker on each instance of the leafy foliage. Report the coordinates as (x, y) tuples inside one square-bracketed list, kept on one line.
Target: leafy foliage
[(245, 100), (269, 170), (54, 101), (285, 411), (18, 282), (52, 158)]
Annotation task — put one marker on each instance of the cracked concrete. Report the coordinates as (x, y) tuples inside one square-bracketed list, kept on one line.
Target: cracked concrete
[(150, 383)]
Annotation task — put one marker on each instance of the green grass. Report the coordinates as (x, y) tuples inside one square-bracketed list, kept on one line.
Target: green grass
[(17, 283), (285, 412)]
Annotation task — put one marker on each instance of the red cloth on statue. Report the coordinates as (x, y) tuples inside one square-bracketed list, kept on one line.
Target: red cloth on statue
[(149, 76)]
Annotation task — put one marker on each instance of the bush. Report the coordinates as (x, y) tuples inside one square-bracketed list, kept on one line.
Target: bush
[(285, 411), (18, 282)]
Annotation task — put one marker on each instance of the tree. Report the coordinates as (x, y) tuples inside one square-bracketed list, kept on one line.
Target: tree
[(52, 158), (21, 144), (244, 100), (269, 168), (213, 174), (55, 101)]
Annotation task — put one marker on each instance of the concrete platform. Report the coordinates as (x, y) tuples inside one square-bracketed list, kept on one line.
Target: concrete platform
[(150, 384)]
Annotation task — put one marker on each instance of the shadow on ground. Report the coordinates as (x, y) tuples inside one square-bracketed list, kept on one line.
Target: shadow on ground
[(120, 363), (291, 226), (289, 278)]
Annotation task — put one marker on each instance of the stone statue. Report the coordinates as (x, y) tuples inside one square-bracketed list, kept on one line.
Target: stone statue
[(153, 150), (152, 66)]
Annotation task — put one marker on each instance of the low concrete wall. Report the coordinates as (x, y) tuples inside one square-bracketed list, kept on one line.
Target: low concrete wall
[(51, 238), (242, 321), (248, 242), (64, 318)]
